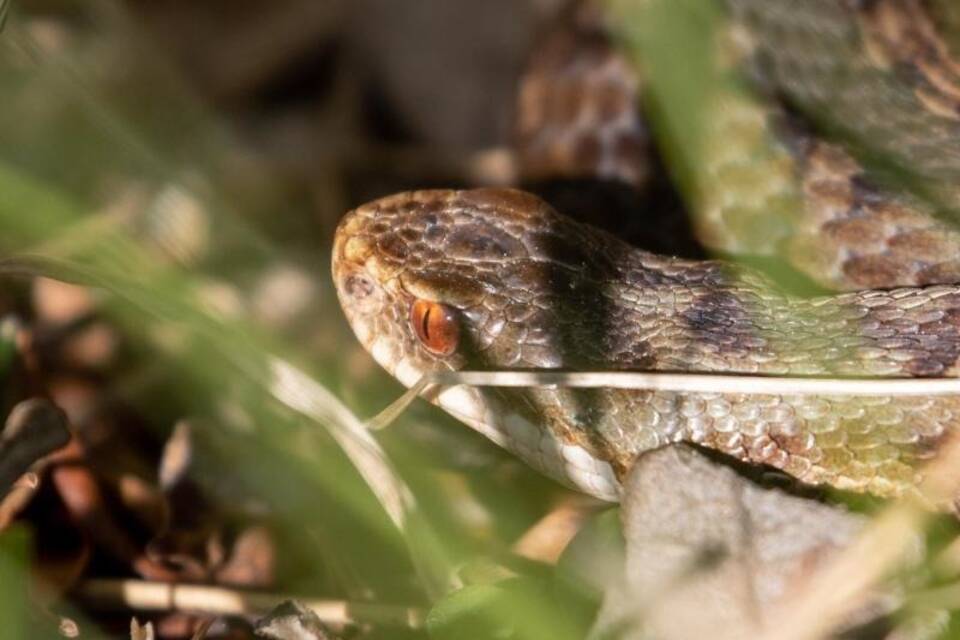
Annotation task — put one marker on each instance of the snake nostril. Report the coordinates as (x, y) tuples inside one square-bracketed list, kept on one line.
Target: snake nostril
[(358, 286)]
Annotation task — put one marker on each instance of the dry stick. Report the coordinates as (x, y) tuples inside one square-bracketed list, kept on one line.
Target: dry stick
[(139, 595), (689, 382), (702, 382), (386, 417), (546, 540), (300, 392), (672, 381)]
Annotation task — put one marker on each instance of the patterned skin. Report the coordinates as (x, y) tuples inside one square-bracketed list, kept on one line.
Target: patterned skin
[(879, 165), (522, 286), (578, 110), (862, 80)]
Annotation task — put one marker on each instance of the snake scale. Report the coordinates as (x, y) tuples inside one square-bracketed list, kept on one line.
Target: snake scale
[(498, 279)]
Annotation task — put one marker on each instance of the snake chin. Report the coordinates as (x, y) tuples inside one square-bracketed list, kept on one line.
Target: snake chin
[(569, 464), (485, 412)]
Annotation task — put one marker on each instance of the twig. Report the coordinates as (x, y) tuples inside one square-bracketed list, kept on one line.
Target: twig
[(546, 540), (140, 595), (386, 417), (34, 428), (703, 382), (672, 381)]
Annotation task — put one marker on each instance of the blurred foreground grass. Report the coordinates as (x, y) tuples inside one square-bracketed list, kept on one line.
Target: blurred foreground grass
[(112, 178)]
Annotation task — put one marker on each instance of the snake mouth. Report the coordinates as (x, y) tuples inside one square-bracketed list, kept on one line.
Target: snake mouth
[(570, 464), (378, 287), (486, 412)]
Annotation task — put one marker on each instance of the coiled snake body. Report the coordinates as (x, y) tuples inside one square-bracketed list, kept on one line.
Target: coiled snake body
[(495, 278)]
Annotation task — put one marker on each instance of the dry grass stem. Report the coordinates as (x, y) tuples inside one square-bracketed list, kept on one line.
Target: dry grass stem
[(703, 382), (546, 540), (386, 417), (140, 595)]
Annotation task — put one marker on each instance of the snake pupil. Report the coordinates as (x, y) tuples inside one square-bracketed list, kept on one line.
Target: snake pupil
[(426, 323), (435, 326)]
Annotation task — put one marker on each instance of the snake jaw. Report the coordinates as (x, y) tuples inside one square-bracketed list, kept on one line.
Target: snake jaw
[(378, 279)]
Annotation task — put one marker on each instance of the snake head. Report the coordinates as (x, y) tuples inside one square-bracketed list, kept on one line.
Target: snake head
[(403, 301), (448, 280), (430, 279)]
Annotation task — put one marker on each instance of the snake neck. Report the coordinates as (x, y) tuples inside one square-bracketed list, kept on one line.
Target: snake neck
[(627, 309)]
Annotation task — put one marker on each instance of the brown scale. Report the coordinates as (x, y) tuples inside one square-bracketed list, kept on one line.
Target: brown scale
[(582, 143), (577, 113), (854, 234), (630, 309), (900, 34), (877, 76), (531, 288), (837, 224)]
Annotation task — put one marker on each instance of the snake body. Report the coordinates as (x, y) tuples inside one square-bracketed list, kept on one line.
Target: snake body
[(527, 287)]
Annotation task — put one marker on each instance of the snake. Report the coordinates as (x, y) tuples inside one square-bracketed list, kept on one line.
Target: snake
[(848, 140)]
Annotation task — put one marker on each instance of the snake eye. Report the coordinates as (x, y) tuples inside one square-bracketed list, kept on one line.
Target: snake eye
[(436, 326)]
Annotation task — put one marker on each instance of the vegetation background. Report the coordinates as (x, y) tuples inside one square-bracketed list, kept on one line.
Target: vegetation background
[(171, 174)]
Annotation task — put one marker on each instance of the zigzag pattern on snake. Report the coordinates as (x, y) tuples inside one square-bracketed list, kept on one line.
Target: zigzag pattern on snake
[(495, 278)]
